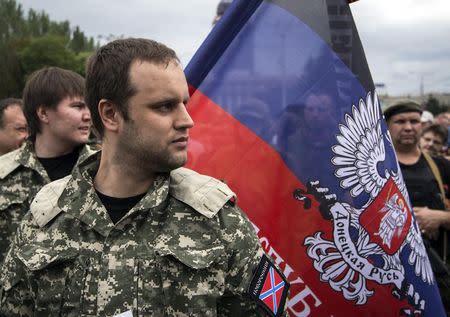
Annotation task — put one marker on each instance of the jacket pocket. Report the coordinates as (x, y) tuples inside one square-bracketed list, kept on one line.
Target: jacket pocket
[(11, 198), (193, 279), (149, 296), (59, 281), (80, 294), (12, 210)]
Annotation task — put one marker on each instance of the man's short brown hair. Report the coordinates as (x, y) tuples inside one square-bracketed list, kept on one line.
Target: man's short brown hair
[(108, 73), (48, 87)]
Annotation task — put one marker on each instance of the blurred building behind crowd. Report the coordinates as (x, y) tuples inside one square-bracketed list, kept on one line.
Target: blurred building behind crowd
[(442, 99)]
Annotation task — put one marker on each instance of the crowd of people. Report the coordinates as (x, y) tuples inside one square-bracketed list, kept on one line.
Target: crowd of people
[(123, 228)]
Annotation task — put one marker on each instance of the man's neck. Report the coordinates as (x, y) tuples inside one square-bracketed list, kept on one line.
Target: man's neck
[(408, 155), (48, 148), (120, 179)]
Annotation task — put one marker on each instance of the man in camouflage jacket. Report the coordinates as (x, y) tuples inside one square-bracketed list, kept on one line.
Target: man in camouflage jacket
[(176, 246), (51, 95)]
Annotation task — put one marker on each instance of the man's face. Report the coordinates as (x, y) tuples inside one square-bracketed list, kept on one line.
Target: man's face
[(157, 132), (405, 129), (431, 143), (443, 119), (14, 130), (70, 121), (318, 111)]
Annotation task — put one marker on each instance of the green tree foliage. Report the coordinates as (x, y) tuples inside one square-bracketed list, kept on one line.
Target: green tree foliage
[(11, 72), (39, 24), (80, 43), (434, 106), (12, 24), (46, 51), (80, 62), (29, 42)]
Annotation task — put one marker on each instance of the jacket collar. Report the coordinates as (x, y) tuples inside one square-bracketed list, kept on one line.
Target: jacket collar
[(81, 201)]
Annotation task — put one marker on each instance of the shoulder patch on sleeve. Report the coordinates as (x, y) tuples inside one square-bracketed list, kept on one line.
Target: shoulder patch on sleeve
[(45, 205), (269, 288), (205, 194), (8, 163)]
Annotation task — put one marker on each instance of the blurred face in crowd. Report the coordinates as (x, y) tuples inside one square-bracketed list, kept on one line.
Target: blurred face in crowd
[(443, 119), (431, 143), (318, 111), (156, 133), (70, 121), (405, 129), (14, 130)]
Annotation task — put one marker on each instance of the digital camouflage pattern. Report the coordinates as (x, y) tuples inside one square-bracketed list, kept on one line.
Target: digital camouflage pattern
[(21, 177), (163, 258)]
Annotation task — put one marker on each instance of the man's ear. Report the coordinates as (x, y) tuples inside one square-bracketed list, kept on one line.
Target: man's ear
[(110, 115), (42, 113)]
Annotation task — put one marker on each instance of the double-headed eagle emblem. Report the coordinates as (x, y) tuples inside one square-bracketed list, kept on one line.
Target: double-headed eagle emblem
[(369, 240)]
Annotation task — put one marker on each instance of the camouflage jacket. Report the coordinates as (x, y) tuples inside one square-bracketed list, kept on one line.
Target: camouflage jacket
[(21, 177), (183, 250)]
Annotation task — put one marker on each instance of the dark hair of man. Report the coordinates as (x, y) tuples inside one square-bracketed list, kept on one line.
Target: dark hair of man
[(48, 87), (438, 130), (5, 103), (108, 73)]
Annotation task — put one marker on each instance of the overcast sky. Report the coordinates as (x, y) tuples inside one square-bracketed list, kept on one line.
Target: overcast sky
[(406, 41)]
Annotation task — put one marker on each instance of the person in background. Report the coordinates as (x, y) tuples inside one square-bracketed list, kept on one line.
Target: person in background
[(427, 179), (443, 119), (13, 125), (427, 119), (221, 8), (433, 140), (59, 124), (133, 233)]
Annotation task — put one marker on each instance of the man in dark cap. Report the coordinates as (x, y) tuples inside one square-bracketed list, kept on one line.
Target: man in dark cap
[(403, 119), (427, 180)]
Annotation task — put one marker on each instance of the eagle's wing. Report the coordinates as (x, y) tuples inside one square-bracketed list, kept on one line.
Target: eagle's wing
[(418, 256), (360, 148)]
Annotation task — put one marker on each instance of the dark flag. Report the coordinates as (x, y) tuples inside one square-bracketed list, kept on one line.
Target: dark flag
[(287, 115)]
